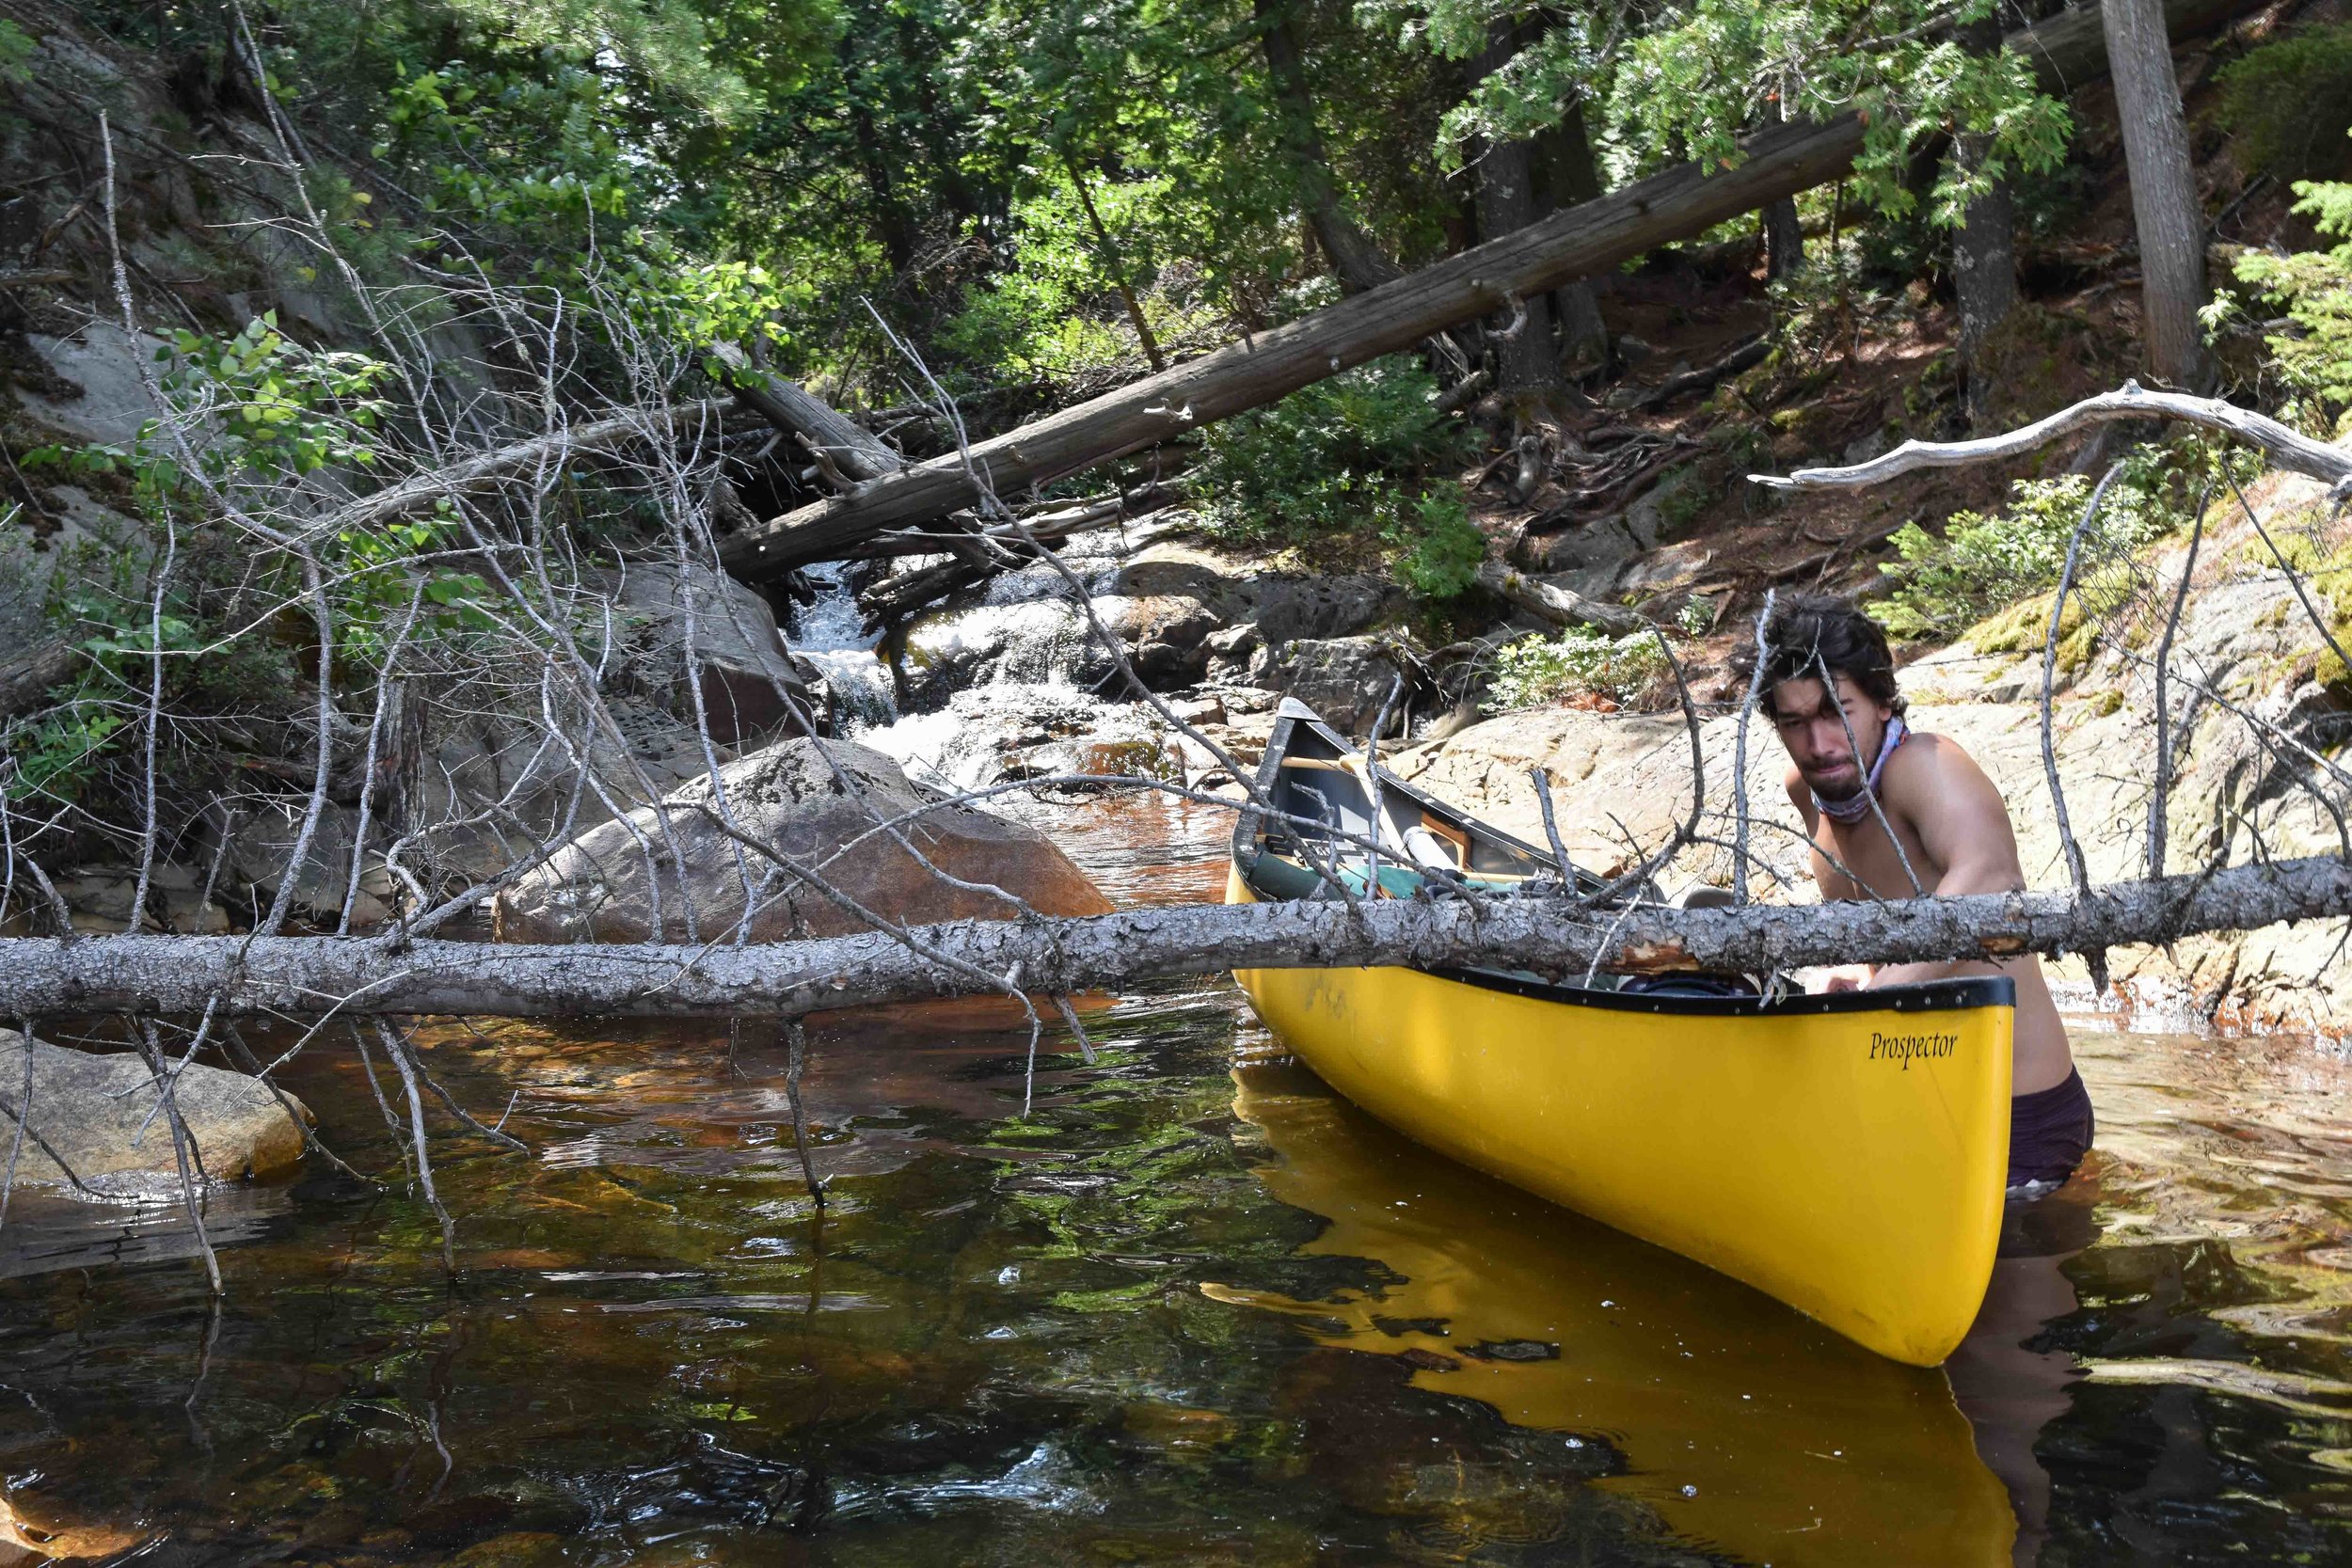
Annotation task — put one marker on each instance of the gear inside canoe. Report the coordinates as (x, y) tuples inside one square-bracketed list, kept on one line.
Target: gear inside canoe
[(1844, 1152)]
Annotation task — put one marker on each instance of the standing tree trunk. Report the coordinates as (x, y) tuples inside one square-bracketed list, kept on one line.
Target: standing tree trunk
[(1985, 256), (1356, 261), (1570, 175), (1527, 357), (1784, 238), (2171, 219), (1115, 263)]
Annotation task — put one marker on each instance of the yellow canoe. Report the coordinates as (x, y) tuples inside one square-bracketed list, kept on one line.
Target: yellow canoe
[(1845, 1153)]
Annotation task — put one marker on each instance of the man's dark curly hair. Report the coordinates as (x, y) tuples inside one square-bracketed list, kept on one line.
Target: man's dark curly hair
[(1810, 633)]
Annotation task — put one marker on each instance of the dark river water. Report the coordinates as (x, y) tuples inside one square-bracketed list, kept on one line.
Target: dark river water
[(1191, 1308)]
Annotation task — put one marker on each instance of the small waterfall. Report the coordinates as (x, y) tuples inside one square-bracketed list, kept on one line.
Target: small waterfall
[(1015, 710), (829, 632)]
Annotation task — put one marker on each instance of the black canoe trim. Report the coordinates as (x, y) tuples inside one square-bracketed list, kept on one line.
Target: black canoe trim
[(1934, 996)]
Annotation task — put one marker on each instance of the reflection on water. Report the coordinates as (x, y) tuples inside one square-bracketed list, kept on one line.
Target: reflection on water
[(1162, 1319), (1746, 1425)]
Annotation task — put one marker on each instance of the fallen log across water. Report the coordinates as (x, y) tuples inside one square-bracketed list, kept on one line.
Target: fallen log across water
[(162, 975), (1576, 241)]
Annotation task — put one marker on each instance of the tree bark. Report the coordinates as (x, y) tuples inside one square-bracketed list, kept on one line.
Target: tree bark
[(825, 432), (1574, 244), (1784, 238), (2164, 208), (156, 975), (1526, 346), (1984, 257), (1356, 259), (1571, 175)]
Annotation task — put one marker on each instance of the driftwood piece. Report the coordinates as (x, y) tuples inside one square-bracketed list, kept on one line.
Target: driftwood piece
[(1559, 606), (834, 439), (2285, 447), (151, 975), (1574, 243)]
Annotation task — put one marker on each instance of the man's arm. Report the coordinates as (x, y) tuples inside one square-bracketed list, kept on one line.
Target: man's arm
[(1960, 820)]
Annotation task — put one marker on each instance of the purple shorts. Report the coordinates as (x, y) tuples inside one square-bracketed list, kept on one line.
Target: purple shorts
[(2049, 1131)]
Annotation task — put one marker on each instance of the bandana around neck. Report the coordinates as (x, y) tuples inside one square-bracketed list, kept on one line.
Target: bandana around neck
[(1857, 806)]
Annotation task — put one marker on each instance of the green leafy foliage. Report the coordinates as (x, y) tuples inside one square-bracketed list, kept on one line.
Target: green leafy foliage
[(2314, 289), (1982, 564), (1361, 454), (2288, 102), (56, 751), (1580, 663)]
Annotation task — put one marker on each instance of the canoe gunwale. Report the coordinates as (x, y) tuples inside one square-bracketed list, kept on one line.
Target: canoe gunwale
[(1931, 996)]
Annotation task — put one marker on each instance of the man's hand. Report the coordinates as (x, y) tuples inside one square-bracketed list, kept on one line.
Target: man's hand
[(1843, 977)]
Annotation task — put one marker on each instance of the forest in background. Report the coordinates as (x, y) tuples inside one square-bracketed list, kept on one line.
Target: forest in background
[(379, 244)]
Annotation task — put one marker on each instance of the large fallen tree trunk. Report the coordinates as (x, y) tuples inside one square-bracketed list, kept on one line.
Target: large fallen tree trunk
[(841, 445), (1574, 243), (42, 978)]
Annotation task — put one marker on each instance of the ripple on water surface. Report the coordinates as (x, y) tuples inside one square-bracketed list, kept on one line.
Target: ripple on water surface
[(1192, 1308)]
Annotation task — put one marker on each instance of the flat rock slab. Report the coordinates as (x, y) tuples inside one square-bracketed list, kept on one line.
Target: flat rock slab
[(89, 1109)]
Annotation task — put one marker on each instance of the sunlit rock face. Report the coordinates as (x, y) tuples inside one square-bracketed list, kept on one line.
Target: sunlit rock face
[(97, 1115), (846, 827)]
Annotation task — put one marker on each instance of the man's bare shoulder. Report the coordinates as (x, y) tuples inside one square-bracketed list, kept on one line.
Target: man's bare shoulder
[(1936, 771)]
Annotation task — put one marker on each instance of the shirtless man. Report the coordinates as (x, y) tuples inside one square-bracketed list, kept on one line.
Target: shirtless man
[(1952, 825)]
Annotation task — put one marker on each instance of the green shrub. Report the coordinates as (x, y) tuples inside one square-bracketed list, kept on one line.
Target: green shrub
[(1437, 547), (1361, 454), (1579, 662), (2289, 103), (1984, 564), (2314, 289)]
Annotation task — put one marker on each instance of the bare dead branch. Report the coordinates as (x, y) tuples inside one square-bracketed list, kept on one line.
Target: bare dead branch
[(2290, 450)]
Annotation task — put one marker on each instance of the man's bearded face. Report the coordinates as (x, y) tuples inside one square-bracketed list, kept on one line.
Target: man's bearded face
[(1833, 753)]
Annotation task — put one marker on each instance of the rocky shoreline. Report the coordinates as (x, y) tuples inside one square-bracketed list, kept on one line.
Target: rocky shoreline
[(1010, 682)]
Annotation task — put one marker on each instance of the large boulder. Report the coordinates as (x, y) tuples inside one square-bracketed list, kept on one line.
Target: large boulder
[(1345, 679), (482, 779), (817, 804), (752, 691), (94, 1111)]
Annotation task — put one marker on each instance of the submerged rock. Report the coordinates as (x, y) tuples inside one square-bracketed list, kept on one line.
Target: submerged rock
[(816, 804), (94, 1111)]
